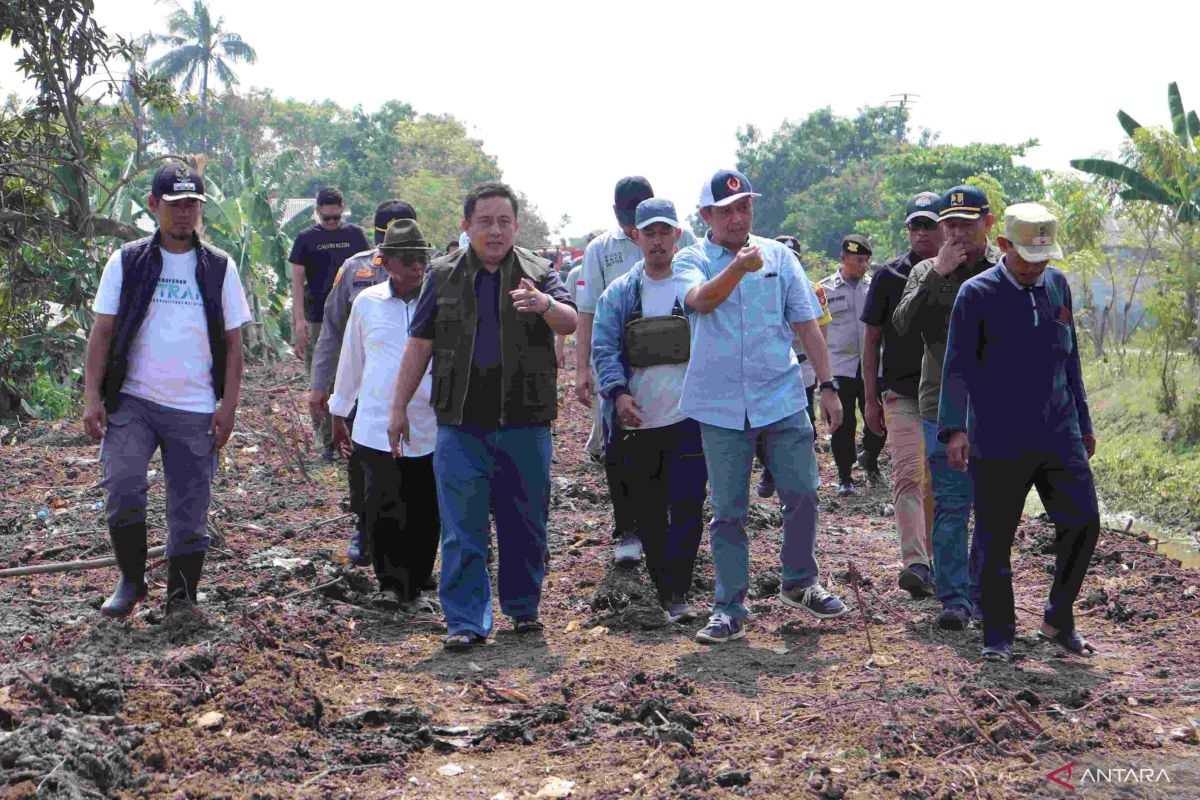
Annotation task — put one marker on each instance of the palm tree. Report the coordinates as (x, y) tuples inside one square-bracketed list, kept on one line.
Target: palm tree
[(198, 45)]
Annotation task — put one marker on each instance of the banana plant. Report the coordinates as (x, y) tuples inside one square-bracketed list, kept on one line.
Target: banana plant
[(1161, 171)]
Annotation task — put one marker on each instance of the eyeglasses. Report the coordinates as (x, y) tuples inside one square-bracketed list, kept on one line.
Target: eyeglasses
[(330, 217), (415, 259), (922, 224)]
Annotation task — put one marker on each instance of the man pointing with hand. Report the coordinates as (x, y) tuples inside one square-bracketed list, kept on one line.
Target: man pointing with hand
[(745, 296)]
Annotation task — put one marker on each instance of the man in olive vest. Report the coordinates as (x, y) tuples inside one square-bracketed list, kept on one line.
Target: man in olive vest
[(487, 316), (166, 347)]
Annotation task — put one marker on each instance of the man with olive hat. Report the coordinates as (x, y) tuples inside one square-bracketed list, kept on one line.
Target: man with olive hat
[(746, 295), (965, 218), (1013, 326), (402, 524), (358, 272), (846, 292)]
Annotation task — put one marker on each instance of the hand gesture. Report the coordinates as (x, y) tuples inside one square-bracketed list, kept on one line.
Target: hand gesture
[(528, 300), (952, 254), (748, 259)]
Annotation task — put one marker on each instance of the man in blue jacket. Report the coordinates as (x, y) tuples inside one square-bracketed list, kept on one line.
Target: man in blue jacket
[(640, 350), (1012, 362)]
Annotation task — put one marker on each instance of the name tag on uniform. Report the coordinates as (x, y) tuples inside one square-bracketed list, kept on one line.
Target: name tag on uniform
[(365, 273)]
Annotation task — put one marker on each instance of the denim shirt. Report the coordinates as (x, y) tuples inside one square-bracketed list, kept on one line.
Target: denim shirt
[(1012, 378), (742, 367), (614, 308)]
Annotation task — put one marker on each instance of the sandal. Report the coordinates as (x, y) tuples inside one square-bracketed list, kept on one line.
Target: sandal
[(463, 641), (530, 625), (1070, 641)]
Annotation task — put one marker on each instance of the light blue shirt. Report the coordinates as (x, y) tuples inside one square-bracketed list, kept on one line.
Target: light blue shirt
[(742, 365)]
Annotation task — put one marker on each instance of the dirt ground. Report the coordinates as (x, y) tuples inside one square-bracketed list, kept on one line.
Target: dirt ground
[(290, 685)]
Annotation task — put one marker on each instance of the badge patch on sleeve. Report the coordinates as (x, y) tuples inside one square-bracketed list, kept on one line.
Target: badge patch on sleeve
[(337, 278)]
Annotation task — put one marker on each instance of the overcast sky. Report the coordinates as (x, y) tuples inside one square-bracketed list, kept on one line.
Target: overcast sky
[(570, 96)]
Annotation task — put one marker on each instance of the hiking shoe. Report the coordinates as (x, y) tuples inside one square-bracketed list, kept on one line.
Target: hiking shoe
[(387, 599), (977, 613), (917, 581), (952, 618), (1001, 651), (721, 628), (845, 488), (813, 599), (629, 550), (678, 610), (766, 485), (527, 625), (356, 551)]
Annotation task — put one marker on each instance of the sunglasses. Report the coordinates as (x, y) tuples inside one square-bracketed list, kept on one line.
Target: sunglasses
[(330, 217), (922, 224)]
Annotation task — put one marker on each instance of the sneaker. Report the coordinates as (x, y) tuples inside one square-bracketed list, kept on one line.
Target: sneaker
[(721, 628), (1001, 651), (845, 488), (917, 581), (766, 485), (952, 618), (356, 551), (678, 610), (629, 550), (815, 600), (977, 613)]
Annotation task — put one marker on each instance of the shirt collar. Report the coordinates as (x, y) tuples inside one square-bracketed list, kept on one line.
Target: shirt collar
[(619, 234), (712, 248), (1013, 280)]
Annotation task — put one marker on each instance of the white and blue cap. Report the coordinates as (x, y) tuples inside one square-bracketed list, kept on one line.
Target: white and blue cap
[(726, 186), (656, 209)]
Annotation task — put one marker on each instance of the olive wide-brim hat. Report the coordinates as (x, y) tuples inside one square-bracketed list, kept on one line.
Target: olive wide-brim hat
[(403, 235)]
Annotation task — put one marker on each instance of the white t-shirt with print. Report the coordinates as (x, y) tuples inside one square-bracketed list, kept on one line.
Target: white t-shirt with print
[(170, 362), (657, 389)]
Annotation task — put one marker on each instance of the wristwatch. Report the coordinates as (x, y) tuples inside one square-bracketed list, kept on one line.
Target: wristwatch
[(549, 305), (830, 384)]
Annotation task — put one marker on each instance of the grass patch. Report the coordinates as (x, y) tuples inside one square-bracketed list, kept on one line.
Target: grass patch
[(1137, 469)]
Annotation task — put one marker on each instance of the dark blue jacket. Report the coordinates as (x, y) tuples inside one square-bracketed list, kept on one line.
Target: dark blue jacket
[(1012, 361)]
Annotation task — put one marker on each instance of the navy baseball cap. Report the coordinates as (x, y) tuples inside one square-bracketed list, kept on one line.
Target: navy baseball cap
[(389, 211), (925, 204), (726, 186), (630, 191), (964, 202), (176, 181), (656, 209)]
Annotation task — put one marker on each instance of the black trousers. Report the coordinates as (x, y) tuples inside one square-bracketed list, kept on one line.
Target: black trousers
[(403, 526), (1064, 481), (667, 478), (624, 511), (852, 393)]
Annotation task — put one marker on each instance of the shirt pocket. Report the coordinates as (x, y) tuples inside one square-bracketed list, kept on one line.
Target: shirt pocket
[(441, 395)]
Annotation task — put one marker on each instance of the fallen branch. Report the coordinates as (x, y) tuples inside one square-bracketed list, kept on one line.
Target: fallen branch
[(331, 520), (331, 770), (73, 566), (1022, 752)]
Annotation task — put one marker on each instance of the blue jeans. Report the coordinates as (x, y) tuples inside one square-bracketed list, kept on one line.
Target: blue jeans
[(729, 454), (135, 430), (956, 575), (506, 470)]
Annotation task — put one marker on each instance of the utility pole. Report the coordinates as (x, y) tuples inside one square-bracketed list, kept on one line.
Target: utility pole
[(904, 101)]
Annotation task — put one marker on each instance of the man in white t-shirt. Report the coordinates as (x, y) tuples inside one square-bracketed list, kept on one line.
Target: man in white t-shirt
[(607, 257), (640, 349), (402, 523), (165, 348)]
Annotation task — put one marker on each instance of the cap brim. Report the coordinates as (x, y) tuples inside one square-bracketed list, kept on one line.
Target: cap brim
[(961, 213), (171, 198), (933, 215), (674, 223), (1035, 254), (733, 198), (401, 247)]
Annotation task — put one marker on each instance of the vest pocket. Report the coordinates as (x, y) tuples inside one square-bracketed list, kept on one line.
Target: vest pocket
[(537, 388), (443, 382)]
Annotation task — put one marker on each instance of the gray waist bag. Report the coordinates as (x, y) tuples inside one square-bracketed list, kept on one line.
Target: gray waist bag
[(650, 341)]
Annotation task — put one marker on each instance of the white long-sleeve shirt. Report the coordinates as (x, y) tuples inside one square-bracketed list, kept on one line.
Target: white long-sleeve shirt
[(368, 366)]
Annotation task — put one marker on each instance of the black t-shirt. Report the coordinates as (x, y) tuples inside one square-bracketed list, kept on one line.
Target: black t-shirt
[(482, 406), (901, 354), (321, 253)]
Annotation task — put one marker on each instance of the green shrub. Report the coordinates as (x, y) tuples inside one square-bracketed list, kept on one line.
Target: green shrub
[(50, 399)]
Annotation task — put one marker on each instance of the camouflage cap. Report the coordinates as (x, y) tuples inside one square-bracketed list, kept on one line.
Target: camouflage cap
[(1032, 229)]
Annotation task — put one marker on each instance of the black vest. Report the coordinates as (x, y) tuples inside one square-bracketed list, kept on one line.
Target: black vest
[(141, 266)]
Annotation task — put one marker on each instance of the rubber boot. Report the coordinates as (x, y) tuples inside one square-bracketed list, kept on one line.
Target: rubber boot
[(183, 575), (129, 546)]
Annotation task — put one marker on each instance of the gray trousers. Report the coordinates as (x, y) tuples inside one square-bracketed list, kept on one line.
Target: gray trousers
[(135, 430)]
